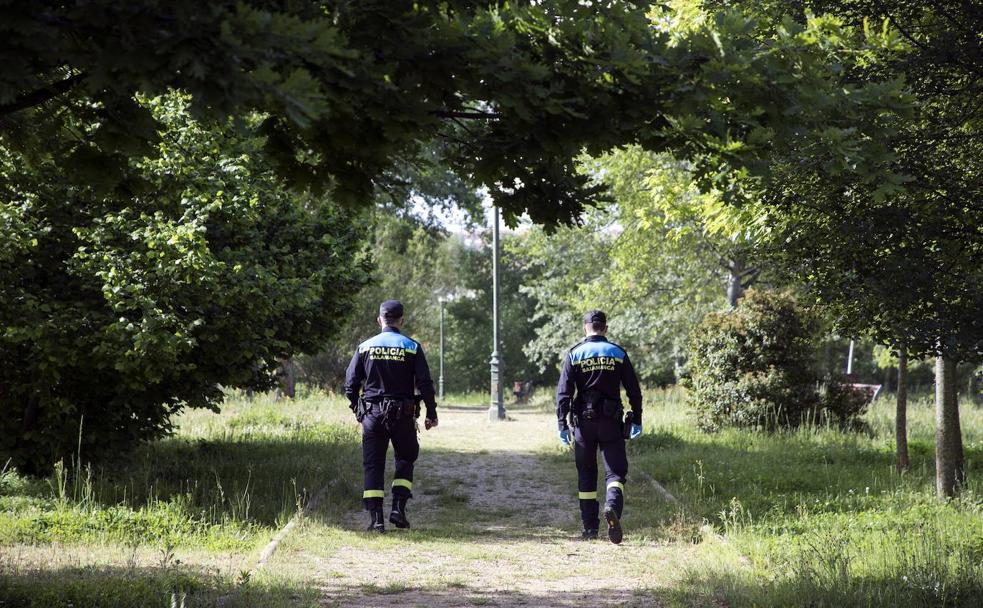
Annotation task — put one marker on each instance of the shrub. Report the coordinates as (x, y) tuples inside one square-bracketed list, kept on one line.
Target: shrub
[(754, 366), (843, 404), (123, 304)]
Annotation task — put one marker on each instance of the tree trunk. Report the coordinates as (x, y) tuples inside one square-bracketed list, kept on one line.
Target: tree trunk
[(901, 418), (948, 444), (957, 425), (735, 285), (285, 375)]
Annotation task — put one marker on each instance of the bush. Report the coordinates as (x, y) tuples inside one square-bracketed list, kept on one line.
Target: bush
[(755, 366), (123, 304), (843, 404)]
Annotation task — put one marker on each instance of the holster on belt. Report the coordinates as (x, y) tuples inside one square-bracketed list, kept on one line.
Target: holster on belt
[(394, 410), (361, 409), (592, 405)]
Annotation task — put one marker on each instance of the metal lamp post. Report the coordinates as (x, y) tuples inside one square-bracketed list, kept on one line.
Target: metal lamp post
[(849, 360), (496, 410), (450, 296)]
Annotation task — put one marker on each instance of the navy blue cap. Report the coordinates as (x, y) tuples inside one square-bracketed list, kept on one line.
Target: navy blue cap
[(391, 310), (593, 317)]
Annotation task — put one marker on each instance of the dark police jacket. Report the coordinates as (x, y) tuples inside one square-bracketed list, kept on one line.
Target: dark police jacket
[(390, 365), (597, 365)]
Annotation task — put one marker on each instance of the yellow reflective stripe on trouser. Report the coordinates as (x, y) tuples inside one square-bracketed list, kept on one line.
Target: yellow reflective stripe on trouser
[(588, 495), (616, 484), (404, 483), (374, 494)]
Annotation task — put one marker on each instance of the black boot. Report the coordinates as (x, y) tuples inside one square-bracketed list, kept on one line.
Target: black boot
[(589, 534), (398, 515), (378, 523), (615, 533)]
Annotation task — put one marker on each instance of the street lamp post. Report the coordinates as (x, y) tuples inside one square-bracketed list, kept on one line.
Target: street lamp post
[(440, 381), (849, 360), (496, 410)]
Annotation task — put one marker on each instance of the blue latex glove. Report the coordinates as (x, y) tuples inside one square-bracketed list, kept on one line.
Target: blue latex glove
[(636, 430), (564, 436)]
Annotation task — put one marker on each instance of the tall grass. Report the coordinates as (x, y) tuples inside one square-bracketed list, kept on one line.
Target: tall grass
[(817, 516), (223, 481)]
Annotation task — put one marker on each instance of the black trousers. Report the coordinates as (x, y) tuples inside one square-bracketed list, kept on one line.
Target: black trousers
[(604, 433), (375, 443)]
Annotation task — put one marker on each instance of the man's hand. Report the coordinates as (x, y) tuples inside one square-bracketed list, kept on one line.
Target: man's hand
[(636, 430), (564, 436), (430, 423)]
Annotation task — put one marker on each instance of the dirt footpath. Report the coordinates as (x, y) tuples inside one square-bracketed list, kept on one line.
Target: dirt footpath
[(495, 523)]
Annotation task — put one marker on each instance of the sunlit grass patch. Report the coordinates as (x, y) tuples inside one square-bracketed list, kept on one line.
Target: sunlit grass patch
[(224, 482), (816, 516)]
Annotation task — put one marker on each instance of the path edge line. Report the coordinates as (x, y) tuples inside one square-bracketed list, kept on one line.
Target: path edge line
[(660, 489), (271, 547)]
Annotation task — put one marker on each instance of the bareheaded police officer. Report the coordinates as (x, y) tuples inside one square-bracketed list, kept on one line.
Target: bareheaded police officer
[(381, 384), (589, 393)]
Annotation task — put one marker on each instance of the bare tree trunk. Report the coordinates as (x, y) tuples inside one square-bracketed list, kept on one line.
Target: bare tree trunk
[(948, 443), (901, 417), (735, 282), (285, 375)]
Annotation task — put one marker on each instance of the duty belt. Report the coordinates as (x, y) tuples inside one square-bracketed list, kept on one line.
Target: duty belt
[(594, 405), (390, 409)]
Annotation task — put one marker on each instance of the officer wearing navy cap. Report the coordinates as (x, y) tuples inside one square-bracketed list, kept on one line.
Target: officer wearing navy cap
[(589, 393), (385, 382)]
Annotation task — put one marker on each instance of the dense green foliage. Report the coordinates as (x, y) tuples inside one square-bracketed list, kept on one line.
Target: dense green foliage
[(119, 311), (518, 89), (755, 367)]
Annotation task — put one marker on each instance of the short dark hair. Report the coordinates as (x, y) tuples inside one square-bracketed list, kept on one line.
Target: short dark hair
[(391, 322)]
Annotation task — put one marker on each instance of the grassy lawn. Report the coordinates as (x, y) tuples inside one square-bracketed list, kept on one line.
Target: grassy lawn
[(813, 517), (183, 516), (816, 517)]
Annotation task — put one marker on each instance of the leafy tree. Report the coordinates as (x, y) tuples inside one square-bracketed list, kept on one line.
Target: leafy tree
[(575, 269), (901, 259), (119, 312), (663, 215), (517, 90)]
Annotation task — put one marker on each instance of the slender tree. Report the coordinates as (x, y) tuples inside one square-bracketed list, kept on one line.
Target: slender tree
[(901, 412)]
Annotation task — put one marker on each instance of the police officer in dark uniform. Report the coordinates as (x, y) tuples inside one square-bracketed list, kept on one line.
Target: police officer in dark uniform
[(381, 384), (589, 392)]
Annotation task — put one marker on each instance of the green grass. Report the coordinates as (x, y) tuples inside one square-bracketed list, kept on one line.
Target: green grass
[(816, 516), (218, 490)]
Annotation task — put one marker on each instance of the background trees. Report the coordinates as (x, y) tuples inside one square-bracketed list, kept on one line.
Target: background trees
[(791, 135), (900, 259)]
